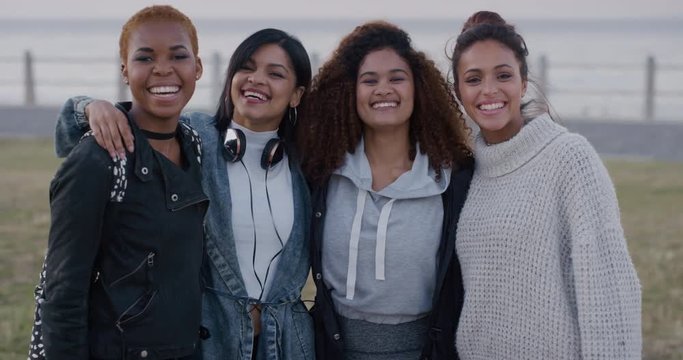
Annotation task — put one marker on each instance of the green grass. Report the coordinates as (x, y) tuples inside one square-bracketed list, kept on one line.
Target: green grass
[(650, 196)]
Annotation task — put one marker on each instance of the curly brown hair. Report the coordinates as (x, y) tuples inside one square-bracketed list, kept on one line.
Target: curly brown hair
[(331, 126)]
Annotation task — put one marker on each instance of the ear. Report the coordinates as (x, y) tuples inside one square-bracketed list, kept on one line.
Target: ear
[(296, 96), (124, 73), (524, 85), (199, 69)]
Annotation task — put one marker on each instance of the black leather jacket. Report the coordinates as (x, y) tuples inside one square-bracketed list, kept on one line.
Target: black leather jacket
[(122, 268), (447, 299)]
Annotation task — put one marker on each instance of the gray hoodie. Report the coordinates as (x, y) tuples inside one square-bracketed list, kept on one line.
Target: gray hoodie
[(380, 247)]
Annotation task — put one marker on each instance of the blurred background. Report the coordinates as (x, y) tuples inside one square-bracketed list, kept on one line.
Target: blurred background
[(611, 69)]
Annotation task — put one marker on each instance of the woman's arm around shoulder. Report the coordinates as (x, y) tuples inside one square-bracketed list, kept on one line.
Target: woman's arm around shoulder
[(109, 126)]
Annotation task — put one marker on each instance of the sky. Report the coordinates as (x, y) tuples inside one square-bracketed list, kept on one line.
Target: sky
[(352, 9)]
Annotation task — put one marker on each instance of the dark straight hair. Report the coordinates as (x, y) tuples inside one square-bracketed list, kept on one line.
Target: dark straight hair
[(297, 55)]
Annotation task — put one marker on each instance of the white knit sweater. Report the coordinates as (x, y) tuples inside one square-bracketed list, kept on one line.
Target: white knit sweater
[(546, 270)]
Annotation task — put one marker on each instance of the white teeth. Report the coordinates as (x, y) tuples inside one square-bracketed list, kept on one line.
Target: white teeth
[(491, 106), (386, 104), (164, 89), (255, 94)]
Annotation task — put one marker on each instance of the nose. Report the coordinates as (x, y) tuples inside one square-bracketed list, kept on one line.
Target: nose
[(383, 88), (255, 78), (490, 87), (162, 67)]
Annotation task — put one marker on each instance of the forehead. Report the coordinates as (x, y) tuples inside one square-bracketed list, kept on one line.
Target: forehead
[(159, 33), (487, 54), (383, 60), (271, 54)]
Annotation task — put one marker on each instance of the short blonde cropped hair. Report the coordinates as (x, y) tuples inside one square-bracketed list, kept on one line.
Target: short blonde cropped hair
[(155, 13)]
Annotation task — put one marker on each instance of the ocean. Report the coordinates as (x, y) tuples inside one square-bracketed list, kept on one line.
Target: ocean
[(596, 68)]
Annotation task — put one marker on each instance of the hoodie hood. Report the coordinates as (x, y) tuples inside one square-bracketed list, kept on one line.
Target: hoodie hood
[(417, 183)]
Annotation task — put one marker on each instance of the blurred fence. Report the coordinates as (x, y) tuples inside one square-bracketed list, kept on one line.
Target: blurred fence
[(645, 95)]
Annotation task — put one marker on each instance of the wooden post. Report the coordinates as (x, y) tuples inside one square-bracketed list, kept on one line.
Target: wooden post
[(29, 80), (543, 74), (650, 71), (218, 77), (315, 62)]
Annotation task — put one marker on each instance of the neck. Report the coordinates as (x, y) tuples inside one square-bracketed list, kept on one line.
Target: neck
[(388, 154), (509, 131), (157, 124), (257, 126)]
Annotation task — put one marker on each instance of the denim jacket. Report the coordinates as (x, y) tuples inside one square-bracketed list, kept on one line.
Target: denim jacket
[(286, 326)]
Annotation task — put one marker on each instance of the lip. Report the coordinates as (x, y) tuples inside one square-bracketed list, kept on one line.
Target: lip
[(491, 111), (164, 91), (385, 105), (254, 96)]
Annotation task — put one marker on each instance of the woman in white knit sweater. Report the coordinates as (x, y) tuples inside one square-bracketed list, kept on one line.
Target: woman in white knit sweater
[(546, 269)]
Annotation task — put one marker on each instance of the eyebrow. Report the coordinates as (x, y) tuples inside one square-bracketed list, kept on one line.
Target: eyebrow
[(283, 67), (251, 62), (392, 71), (495, 68), (150, 50)]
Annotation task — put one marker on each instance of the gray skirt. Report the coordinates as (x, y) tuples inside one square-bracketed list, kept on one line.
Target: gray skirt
[(365, 340)]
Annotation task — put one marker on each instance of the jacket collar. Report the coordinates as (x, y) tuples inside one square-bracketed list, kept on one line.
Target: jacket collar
[(144, 156)]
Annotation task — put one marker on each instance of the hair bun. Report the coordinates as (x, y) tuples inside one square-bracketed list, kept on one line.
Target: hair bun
[(484, 17)]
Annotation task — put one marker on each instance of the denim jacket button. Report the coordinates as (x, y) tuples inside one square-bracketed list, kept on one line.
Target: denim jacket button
[(174, 197), (318, 214), (336, 336), (143, 353), (144, 170)]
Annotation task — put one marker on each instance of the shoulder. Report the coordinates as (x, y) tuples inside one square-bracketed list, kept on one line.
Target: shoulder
[(572, 152), (198, 120), (88, 166), (87, 153), (581, 170)]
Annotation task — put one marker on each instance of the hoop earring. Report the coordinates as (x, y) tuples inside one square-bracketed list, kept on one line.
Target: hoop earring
[(292, 119)]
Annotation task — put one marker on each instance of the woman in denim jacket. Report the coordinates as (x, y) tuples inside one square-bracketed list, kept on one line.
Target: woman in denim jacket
[(256, 250)]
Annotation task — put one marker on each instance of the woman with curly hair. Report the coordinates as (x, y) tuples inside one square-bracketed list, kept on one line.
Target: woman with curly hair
[(385, 150)]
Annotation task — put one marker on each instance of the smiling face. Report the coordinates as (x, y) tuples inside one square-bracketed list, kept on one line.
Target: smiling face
[(385, 90), (161, 70), (491, 89), (264, 88)]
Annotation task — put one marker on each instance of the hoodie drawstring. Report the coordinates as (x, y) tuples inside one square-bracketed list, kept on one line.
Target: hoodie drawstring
[(353, 244), (380, 247)]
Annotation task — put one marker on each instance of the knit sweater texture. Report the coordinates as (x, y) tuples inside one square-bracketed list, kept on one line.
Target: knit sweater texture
[(546, 269)]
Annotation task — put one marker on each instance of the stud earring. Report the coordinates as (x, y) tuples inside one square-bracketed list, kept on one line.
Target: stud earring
[(125, 81)]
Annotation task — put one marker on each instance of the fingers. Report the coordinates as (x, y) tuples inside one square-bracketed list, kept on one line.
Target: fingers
[(110, 128), (115, 135), (125, 131), (103, 139)]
